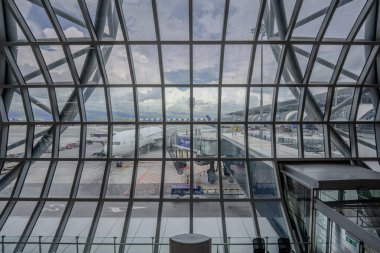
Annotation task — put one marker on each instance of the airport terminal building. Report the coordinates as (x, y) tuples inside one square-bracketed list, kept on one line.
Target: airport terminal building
[(134, 125)]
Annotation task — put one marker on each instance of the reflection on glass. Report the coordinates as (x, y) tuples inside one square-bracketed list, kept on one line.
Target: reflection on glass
[(173, 18), (176, 64), (150, 141), (175, 220), (150, 104), (206, 61), (56, 63), (177, 104), (145, 62), (341, 107), (233, 109), (286, 140), (208, 19), (260, 140), (263, 179), (260, 104), (236, 64), (342, 130), (91, 179), (205, 104), (119, 180), (313, 140), (366, 111), (232, 140), (138, 17), (122, 104), (63, 179)]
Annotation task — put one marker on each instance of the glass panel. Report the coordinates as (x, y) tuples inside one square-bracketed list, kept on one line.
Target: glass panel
[(206, 64), (91, 179), (123, 141), (341, 107), (207, 221), (178, 141), (95, 104), (272, 223), (46, 226), (177, 104), (366, 140), (233, 140), (354, 64), (265, 68), (69, 141), (233, 109), (319, 95), (344, 17), (138, 17), (73, 28), (63, 179), (206, 179), (16, 222), (39, 131), (119, 180), (110, 226), (235, 180), (150, 104), (16, 144), (287, 104), (96, 139), (177, 180), (342, 130), (205, 102), (208, 19), (37, 19), (40, 104), (71, 112), (90, 74), (242, 17), (263, 179), (260, 104), (16, 110), (56, 63), (205, 141), (286, 140), (79, 225), (116, 64), (35, 179), (148, 179), (176, 64), (309, 28), (145, 62), (239, 225), (122, 104), (236, 64), (150, 141), (142, 225), (327, 58), (366, 111), (260, 140), (27, 64), (313, 140), (173, 17)]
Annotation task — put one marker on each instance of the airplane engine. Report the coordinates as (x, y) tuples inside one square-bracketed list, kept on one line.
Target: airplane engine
[(158, 143)]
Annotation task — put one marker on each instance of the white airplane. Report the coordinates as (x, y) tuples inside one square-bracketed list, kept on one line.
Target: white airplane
[(123, 143)]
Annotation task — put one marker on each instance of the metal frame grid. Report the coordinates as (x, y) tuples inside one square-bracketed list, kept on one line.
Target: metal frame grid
[(283, 45)]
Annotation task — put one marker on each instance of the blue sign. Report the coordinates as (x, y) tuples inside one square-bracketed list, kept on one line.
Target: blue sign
[(184, 142)]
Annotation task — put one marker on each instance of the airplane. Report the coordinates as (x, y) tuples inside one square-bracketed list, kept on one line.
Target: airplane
[(123, 143)]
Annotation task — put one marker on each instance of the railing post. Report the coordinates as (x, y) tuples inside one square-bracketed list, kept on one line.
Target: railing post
[(39, 244), (229, 243), (114, 244), (152, 244), (266, 244), (2, 243), (77, 243)]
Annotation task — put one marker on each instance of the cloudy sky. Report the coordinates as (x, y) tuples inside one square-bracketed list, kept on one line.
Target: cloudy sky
[(174, 25)]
